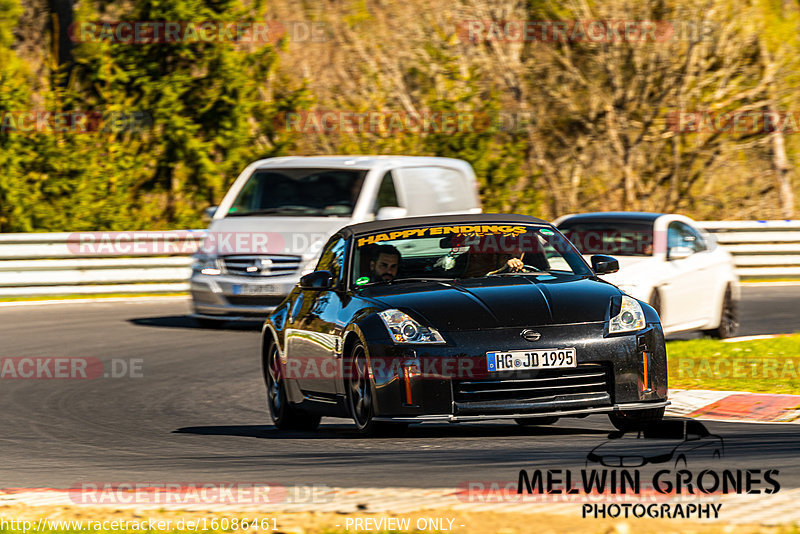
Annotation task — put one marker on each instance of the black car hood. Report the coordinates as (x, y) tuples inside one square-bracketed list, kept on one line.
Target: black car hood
[(494, 302)]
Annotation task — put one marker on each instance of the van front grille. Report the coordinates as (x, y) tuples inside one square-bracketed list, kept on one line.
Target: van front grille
[(261, 265)]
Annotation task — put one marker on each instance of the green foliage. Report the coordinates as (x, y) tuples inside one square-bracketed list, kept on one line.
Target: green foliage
[(595, 133), (10, 10), (193, 115), (15, 196)]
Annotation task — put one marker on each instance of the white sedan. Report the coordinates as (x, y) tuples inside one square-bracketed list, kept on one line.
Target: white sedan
[(666, 261)]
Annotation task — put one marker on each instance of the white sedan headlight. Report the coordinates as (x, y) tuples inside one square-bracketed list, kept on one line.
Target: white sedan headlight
[(403, 329), (630, 317)]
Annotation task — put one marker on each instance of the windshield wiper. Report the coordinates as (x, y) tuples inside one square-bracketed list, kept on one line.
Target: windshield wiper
[(509, 273), (400, 280), (420, 279)]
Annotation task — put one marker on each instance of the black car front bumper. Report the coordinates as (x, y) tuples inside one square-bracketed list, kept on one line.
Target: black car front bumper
[(418, 383)]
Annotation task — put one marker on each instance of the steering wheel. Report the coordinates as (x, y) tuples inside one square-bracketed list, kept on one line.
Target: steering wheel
[(525, 269)]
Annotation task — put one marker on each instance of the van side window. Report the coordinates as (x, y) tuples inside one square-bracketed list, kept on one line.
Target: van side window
[(387, 196), (435, 190)]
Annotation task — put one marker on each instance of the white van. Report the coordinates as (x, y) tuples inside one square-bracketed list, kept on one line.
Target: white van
[(274, 220)]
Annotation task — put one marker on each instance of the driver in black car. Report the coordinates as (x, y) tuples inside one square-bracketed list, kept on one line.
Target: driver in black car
[(513, 265), (523, 262), (494, 255), (384, 264)]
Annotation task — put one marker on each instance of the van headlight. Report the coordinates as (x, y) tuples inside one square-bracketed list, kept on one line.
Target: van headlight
[(403, 329), (630, 317), (206, 264)]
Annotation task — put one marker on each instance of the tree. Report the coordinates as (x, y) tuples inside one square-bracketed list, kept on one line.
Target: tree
[(16, 196), (209, 106)]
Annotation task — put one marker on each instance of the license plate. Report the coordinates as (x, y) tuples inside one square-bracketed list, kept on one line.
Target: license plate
[(253, 289), (518, 360)]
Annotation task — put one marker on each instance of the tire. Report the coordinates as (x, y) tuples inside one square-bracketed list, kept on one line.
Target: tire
[(535, 421), (728, 318), (359, 397), (284, 415), (636, 419), (655, 302)]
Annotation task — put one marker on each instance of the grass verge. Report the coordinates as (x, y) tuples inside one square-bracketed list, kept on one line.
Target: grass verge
[(759, 366)]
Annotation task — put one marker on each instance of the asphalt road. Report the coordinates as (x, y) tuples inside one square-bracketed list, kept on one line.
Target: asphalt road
[(769, 310), (194, 411)]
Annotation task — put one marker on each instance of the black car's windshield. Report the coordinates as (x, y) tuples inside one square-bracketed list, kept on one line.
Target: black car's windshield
[(299, 192), (463, 251), (619, 238)]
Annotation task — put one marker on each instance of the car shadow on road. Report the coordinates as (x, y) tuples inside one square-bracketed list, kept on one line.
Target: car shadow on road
[(347, 431), (187, 321)]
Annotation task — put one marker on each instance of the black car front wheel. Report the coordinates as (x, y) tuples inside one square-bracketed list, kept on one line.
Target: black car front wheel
[(360, 399), (284, 415), (636, 419)]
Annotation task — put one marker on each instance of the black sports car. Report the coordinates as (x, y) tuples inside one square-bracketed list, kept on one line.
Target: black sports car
[(461, 318)]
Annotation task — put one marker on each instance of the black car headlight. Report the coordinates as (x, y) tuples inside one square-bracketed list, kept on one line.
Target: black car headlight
[(630, 317), (404, 329)]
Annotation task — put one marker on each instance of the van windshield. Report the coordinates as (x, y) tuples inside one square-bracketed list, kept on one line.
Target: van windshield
[(299, 192)]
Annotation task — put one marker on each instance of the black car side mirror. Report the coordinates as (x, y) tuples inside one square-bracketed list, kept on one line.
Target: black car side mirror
[(604, 264), (317, 280)]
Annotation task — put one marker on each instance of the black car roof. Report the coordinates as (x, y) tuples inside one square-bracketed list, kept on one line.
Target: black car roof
[(613, 216), (475, 218)]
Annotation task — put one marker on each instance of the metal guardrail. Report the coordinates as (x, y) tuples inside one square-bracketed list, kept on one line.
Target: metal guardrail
[(761, 249), (151, 262), (94, 263)]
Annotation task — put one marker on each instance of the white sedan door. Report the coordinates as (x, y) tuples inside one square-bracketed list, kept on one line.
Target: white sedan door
[(688, 296)]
